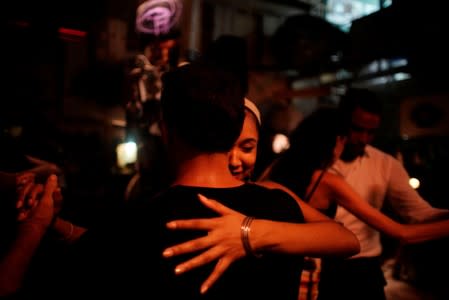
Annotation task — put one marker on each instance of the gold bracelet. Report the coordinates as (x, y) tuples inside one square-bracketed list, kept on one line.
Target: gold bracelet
[(245, 229)]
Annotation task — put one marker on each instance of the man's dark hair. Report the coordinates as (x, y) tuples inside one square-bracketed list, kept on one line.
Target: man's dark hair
[(362, 98), (204, 105), (230, 53)]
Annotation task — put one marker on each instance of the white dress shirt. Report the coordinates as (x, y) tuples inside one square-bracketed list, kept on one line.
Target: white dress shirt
[(378, 176)]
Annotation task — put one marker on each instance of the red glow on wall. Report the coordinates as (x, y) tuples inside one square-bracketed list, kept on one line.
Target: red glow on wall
[(72, 32), (72, 35)]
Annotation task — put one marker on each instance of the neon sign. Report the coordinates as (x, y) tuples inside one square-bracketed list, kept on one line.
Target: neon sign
[(158, 16)]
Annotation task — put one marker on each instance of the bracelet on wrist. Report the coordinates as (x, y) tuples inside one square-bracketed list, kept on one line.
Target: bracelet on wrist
[(245, 229), (67, 237)]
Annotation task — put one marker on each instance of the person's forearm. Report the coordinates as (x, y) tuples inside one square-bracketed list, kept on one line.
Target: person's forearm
[(407, 202), (311, 239), (14, 264), (421, 211), (68, 231), (418, 233)]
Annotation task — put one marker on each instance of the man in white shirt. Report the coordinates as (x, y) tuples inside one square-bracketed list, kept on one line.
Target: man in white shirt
[(376, 176)]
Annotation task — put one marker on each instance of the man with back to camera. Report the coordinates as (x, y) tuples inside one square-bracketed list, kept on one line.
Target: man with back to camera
[(203, 113), (376, 176)]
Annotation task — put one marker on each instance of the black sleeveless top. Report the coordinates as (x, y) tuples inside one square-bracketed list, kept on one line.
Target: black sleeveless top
[(331, 211)]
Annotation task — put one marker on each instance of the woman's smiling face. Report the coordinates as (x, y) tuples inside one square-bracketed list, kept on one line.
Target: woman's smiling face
[(242, 156)]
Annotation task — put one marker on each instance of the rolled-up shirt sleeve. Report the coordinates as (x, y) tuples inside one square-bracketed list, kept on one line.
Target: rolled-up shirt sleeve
[(406, 201)]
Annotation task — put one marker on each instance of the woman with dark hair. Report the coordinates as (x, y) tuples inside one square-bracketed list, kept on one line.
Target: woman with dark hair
[(314, 146)]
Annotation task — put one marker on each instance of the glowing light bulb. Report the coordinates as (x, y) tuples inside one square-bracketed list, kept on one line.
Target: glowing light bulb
[(414, 183), (126, 154), (280, 143)]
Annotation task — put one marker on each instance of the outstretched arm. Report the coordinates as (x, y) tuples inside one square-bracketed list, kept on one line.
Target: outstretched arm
[(223, 242), (406, 233), (406, 201)]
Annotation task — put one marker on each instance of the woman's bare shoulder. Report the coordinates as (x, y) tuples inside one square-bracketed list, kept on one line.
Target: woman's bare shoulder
[(270, 184), (329, 177), (274, 185)]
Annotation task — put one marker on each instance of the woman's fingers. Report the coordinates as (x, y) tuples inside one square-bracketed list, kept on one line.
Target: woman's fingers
[(215, 205), (32, 199), (219, 269), (26, 200), (51, 185), (22, 215), (188, 247), (35, 203), (25, 178), (222, 244), (22, 194), (199, 260), (194, 224), (202, 224)]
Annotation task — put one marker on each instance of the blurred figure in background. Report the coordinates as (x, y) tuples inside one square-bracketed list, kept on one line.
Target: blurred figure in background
[(376, 177), (159, 53)]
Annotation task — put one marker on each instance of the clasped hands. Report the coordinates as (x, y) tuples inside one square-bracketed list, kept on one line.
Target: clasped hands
[(37, 203)]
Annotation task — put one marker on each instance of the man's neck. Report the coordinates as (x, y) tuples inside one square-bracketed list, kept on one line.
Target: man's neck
[(206, 170)]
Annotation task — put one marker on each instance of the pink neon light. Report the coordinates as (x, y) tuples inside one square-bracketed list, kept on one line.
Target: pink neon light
[(158, 16)]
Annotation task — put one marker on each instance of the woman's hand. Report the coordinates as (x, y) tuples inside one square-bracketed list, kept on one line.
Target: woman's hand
[(35, 202), (222, 243), (23, 178)]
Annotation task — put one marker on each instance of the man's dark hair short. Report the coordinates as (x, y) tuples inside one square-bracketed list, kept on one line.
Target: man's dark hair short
[(362, 98), (204, 105)]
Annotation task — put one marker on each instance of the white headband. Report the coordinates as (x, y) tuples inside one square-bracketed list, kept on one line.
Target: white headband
[(253, 109)]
